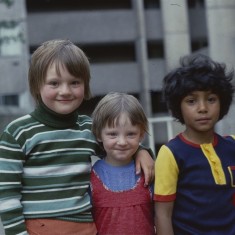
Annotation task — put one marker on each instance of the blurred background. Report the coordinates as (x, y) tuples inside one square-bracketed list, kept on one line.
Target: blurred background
[(131, 45)]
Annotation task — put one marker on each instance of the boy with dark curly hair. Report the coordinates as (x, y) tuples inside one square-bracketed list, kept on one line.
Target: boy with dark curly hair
[(195, 171)]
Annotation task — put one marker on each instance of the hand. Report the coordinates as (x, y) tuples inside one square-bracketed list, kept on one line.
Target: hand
[(144, 162)]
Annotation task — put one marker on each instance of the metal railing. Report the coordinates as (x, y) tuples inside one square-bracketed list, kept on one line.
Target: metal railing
[(151, 137)]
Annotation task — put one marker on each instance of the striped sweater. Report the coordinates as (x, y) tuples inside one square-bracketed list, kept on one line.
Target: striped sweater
[(45, 168)]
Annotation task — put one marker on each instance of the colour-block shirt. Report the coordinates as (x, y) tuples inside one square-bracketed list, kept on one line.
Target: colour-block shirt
[(200, 179), (121, 203), (45, 169)]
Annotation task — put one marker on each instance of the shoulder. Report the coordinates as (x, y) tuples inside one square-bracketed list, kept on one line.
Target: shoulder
[(230, 137), (84, 119), (223, 140), (176, 141), (20, 123), (99, 165)]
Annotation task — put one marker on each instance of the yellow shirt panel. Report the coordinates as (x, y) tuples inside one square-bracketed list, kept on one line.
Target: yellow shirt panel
[(166, 173)]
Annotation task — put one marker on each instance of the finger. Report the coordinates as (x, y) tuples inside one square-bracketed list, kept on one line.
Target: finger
[(147, 178), (152, 174), (137, 168)]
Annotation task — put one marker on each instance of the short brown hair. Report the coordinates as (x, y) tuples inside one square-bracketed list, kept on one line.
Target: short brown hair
[(61, 52), (110, 108)]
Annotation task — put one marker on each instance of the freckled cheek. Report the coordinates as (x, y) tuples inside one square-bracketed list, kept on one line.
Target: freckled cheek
[(51, 96), (47, 94), (81, 95), (108, 143), (80, 91)]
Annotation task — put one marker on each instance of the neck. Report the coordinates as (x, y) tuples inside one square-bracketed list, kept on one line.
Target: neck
[(199, 138), (50, 118), (114, 162)]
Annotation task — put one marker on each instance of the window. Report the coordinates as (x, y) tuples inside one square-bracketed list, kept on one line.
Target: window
[(6, 100), (71, 5)]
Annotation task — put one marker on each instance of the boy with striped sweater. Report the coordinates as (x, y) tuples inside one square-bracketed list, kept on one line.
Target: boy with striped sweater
[(45, 156)]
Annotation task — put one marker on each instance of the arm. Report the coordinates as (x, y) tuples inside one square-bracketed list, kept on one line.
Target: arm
[(163, 218), (166, 179), (144, 160), (11, 168)]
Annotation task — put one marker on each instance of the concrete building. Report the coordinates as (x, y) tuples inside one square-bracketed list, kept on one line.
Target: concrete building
[(131, 44)]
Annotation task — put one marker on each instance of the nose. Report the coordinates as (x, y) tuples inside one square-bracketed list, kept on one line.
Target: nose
[(202, 106), (121, 140), (64, 90)]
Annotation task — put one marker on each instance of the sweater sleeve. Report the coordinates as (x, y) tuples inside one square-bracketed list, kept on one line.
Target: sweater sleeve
[(11, 169)]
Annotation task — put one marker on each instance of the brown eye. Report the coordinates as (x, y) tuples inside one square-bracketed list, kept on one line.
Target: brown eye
[(190, 101), (212, 99)]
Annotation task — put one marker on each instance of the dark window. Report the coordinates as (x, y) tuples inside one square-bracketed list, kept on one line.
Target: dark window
[(158, 104), (9, 100), (71, 5), (109, 53), (149, 4), (155, 49), (196, 3), (199, 44), (88, 106)]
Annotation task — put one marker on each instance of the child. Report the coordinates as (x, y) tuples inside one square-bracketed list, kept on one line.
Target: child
[(121, 203), (195, 171), (45, 156)]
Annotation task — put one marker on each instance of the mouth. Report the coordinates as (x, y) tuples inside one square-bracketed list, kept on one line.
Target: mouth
[(64, 101), (203, 120), (122, 150)]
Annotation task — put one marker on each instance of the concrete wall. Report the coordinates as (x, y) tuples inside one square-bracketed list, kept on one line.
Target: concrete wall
[(220, 19)]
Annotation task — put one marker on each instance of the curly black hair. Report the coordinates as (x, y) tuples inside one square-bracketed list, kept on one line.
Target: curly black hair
[(198, 73)]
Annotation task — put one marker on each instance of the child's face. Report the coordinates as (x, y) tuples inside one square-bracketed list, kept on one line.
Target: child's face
[(200, 110), (121, 141), (63, 94)]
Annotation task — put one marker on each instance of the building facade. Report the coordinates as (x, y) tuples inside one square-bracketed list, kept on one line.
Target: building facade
[(131, 44)]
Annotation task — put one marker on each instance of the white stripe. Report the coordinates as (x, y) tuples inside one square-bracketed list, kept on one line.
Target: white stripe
[(62, 140), (23, 233), (57, 170), (11, 172), (9, 160), (11, 149), (52, 190), (53, 200), (57, 132), (12, 225), (21, 118), (10, 203), (62, 150), (6, 183), (51, 211), (27, 129)]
